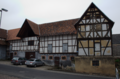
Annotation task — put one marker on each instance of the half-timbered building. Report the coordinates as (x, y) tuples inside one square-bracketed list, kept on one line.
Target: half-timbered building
[(94, 33), (89, 36), (94, 43), (45, 41)]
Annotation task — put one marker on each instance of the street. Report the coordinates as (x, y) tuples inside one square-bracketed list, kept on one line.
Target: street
[(31, 73)]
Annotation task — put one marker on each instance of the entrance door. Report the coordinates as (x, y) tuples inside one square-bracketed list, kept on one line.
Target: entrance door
[(11, 55), (29, 55), (56, 61)]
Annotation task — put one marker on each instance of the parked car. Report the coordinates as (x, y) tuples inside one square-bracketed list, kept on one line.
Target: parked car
[(18, 60), (34, 62)]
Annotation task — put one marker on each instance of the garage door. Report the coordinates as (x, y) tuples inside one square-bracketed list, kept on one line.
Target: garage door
[(29, 55)]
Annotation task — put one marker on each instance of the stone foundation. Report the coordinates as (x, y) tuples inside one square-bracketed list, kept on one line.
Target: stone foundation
[(84, 64)]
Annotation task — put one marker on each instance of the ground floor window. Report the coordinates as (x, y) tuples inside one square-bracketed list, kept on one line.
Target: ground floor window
[(43, 57), (15, 53), (63, 57), (71, 57), (50, 58), (95, 63)]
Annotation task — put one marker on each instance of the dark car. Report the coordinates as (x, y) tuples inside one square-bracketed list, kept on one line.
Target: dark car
[(18, 60), (34, 62)]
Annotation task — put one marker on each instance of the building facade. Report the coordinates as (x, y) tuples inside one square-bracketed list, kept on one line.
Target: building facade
[(45, 41), (94, 42), (89, 36), (3, 44)]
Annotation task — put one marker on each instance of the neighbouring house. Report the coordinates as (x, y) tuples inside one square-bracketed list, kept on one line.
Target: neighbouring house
[(94, 43), (3, 43), (116, 44)]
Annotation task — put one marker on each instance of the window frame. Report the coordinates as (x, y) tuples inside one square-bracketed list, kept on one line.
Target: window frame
[(99, 48), (51, 49), (43, 56), (71, 57), (95, 63), (49, 57), (31, 43), (67, 47), (65, 58)]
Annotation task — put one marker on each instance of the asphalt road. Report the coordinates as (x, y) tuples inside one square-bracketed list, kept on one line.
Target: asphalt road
[(31, 73)]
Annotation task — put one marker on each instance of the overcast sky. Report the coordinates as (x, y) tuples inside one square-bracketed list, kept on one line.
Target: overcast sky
[(45, 11)]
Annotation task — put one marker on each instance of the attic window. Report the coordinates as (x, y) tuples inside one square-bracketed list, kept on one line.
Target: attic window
[(30, 43), (97, 16), (87, 16)]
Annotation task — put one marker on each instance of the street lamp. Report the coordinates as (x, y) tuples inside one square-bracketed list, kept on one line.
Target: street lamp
[(1, 14)]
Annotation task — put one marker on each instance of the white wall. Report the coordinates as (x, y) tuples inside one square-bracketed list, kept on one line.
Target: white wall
[(57, 42)]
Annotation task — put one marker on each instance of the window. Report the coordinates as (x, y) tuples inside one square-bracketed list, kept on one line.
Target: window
[(15, 53), (65, 47), (97, 47), (49, 48), (20, 59), (30, 43), (63, 58), (72, 58), (50, 57), (43, 57), (95, 62), (38, 60)]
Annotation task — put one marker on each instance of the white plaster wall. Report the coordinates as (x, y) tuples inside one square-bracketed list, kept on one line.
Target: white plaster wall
[(81, 51), (58, 41), (21, 53)]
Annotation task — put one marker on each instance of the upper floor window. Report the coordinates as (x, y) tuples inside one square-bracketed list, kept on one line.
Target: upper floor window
[(65, 47), (30, 43), (97, 47), (49, 48)]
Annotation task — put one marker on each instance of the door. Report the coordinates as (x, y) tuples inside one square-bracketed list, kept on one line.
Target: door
[(29, 55), (56, 61)]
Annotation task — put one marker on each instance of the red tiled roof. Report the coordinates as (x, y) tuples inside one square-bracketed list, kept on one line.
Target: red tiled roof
[(34, 27), (12, 34), (55, 28), (58, 28)]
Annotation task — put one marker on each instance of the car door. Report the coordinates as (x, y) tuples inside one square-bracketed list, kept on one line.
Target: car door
[(20, 60), (38, 62)]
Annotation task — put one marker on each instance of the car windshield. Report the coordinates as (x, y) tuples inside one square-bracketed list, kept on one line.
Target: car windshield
[(15, 58), (31, 59)]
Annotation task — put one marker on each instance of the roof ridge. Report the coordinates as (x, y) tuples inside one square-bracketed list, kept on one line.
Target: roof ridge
[(59, 21), (30, 21)]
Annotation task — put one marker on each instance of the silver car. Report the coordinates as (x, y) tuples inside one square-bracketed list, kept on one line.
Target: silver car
[(34, 62)]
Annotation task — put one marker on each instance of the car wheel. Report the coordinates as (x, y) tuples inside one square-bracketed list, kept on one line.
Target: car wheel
[(20, 63), (27, 65), (35, 65)]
